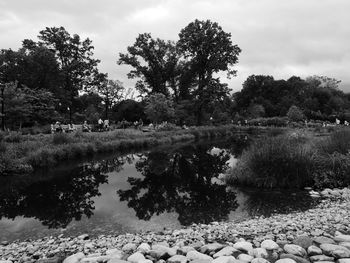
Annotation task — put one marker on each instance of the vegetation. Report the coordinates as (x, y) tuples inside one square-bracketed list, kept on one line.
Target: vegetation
[(295, 160)]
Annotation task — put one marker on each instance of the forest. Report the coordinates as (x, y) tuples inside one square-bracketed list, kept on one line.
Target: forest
[(57, 78)]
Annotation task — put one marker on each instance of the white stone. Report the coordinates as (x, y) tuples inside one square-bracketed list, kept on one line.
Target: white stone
[(177, 259), (243, 246), (136, 257), (192, 255), (224, 259), (226, 251), (269, 244), (294, 250), (285, 260), (245, 257), (74, 258), (144, 248), (259, 252), (260, 260)]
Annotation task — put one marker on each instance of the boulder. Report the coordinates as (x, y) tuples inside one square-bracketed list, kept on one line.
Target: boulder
[(295, 258), (260, 252), (129, 247), (136, 257), (184, 250), (335, 250), (323, 240), (294, 250), (285, 260), (75, 258), (245, 258), (213, 247), (313, 250), (224, 259), (243, 246), (342, 238), (226, 251), (177, 259), (269, 244), (144, 248), (260, 260), (303, 241), (116, 260), (344, 260), (321, 258), (161, 252), (193, 254)]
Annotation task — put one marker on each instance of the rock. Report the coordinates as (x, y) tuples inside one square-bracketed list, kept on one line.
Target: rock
[(321, 258), (94, 259), (200, 261), (303, 241), (345, 244), (136, 257), (260, 260), (74, 258), (260, 252), (245, 258), (294, 250), (243, 246), (335, 250), (5, 261), (224, 259), (49, 260), (313, 250), (323, 240), (192, 255), (184, 250), (226, 251), (197, 245), (116, 260), (269, 245), (144, 248), (211, 247), (177, 259), (83, 237), (295, 258), (342, 238), (129, 247), (285, 260), (161, 252), (145, 261), (343, 260), (114, 253)]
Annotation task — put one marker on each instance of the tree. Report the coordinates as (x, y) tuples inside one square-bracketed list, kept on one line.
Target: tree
[(295, 114), (153, 62), (159, 108), (75, 58), (111, 92), (209, 50)]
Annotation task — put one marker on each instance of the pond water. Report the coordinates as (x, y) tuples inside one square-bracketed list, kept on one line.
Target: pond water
[(165, 187)]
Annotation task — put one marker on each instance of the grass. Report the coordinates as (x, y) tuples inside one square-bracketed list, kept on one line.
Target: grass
[(295, 160), (27, 153)]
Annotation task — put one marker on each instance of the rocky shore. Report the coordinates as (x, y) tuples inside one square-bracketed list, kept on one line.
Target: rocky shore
[(321, 234)]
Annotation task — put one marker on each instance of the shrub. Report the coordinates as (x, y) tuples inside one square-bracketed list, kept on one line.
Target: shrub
[(61, 138), (281, 161), (295, 114), (338, 141), (14, 137)]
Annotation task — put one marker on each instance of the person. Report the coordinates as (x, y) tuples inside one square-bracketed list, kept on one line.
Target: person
[(337, 121), (106, 125), (140, 124), (100, 124), (86, 127), (58, 127), (52, 128)]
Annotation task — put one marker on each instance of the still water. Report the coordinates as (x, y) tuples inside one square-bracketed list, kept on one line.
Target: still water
[(165, 187)]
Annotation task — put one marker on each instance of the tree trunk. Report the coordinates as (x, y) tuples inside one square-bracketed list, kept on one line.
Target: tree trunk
[(2, 107)]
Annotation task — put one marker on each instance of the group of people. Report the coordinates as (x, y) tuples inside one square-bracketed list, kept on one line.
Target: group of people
[(103, 125)]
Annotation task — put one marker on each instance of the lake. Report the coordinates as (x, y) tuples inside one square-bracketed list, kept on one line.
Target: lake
[(166, 187)]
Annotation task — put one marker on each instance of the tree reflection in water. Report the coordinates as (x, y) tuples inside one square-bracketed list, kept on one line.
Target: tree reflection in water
[(60, 199), (181, 181)]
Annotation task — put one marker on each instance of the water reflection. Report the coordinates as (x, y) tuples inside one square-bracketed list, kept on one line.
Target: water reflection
[(181, 181), (55, 202)]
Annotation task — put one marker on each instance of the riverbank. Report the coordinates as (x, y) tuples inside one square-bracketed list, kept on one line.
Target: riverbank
[(313, 233), (23, 154)]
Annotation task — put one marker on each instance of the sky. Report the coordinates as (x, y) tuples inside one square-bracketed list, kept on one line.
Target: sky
[(281, 38)]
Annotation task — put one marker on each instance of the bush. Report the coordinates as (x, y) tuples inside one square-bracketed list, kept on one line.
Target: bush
[(295, 114), (338, 141), (13, 137), (281, 161), (61, 138)]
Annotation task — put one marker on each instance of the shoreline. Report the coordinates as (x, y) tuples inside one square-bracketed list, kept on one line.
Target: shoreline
[(331, 217)]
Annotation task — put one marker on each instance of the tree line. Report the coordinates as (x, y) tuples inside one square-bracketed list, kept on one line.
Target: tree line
[(57, 78)]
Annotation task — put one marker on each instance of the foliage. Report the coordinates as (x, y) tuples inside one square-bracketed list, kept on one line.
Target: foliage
[(295, 114), (159, 108), (111, 91), (338, 141)]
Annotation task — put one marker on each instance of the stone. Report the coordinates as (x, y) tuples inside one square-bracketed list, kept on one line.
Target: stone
[(313, 250), (323, 240), (342, 238), (345, 244), (144, 248), (245, 257), (200, 261), (129, 247), (303, 241), (145, 261), (83, 237), (116, 260), (269, 244), (211, 247), (177, 259), (136, 257), (224, 259), (260, 252), (184, 250), (74, 258), (285, 260), (321, 258), (294, 250), (114, 253), (243, 246), (343, 260), (161, 252), (192, 255), (197, 245), (226, 251), (49, 260), (94, 259), (335, 250), (260, 260), (295, 258)]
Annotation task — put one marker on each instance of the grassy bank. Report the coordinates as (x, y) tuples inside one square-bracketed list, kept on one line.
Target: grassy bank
[(295, 160), (26, 153)]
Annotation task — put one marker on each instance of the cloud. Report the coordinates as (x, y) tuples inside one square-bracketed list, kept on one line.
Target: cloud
[(279, 38)]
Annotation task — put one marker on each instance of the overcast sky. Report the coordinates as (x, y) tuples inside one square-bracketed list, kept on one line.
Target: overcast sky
[(277, 37)]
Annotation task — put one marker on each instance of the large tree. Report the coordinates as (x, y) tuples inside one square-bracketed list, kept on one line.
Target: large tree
[(210, 50), (111, 91), (153, 63)]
